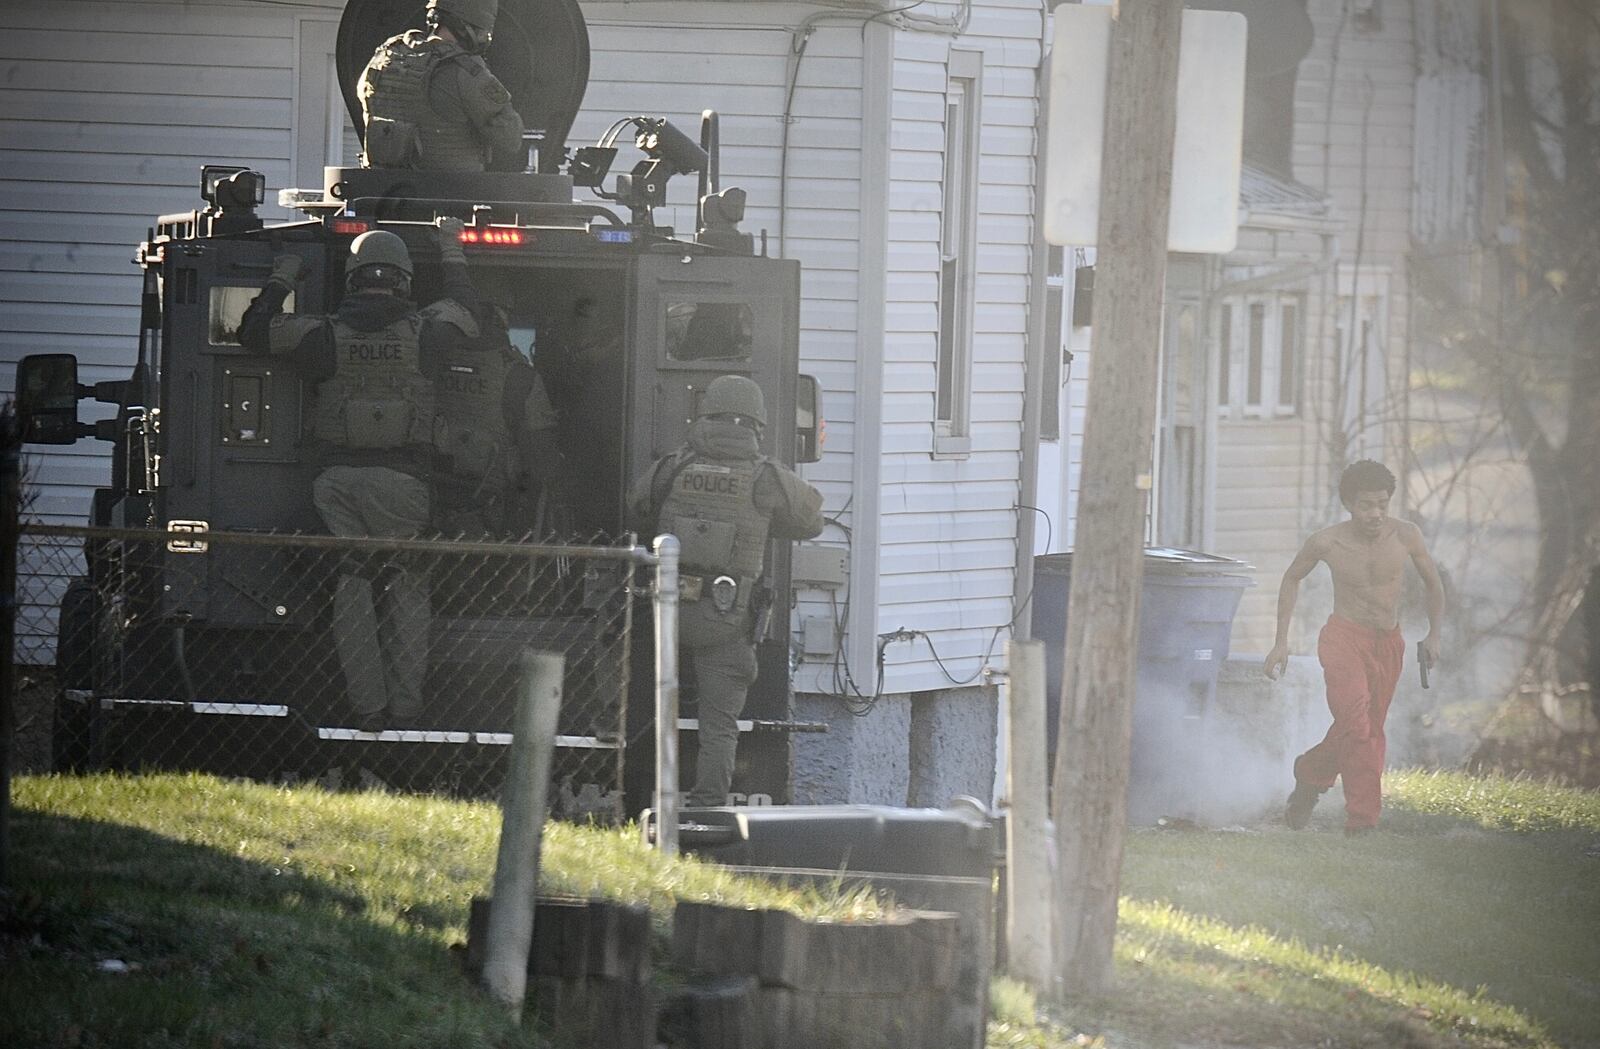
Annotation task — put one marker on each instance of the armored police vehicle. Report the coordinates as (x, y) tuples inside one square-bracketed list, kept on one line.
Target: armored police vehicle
[(627, 321)]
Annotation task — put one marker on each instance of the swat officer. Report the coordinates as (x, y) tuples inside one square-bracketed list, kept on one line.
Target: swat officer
[(430, 102), (374, 362), (723, 499), (500, 435)]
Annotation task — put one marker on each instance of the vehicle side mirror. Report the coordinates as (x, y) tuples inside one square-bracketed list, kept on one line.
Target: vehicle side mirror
[(810, 431), (47, 399)]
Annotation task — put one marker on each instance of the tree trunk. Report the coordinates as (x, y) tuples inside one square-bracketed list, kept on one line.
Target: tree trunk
[(1547, 372)]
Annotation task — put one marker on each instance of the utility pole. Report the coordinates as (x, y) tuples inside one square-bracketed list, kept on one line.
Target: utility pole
[(1097, 691)]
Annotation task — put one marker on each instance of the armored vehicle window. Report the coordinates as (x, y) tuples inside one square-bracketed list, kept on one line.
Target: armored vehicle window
[(703, 331), (524, 339), (227, 310)]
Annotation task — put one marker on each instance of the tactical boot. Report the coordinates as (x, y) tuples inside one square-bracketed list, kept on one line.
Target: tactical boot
[(1301, 801)]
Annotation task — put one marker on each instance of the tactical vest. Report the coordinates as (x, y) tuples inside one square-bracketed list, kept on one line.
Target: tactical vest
[(472, 406), (710, 506), (403, 131), (377, 398)]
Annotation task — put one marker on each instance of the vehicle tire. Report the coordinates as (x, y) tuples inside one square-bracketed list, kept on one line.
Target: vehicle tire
[(72, 734), (75, 636), (72, 720)]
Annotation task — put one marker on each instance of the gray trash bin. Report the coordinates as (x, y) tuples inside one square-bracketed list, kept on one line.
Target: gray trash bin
[(1186, 607)]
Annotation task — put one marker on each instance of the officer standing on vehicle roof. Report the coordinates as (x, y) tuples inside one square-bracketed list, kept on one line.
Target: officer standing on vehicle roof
[(430, 103), (723, 499), (374, 362), (500, 435)]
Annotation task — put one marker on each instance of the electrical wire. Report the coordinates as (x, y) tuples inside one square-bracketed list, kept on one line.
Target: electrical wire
[(610, 137), (845, 687)]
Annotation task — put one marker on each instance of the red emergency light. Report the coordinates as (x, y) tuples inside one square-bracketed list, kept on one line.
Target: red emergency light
[(498, 236), (349, 227)]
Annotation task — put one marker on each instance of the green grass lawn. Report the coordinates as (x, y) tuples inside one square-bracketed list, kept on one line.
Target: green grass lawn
[(1472, 917), (190, 911)]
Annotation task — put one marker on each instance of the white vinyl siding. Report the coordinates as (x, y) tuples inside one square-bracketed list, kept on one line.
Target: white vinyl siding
[(949, 525), (107, 113)]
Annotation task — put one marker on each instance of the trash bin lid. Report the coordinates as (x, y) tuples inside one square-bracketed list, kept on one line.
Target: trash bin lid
[(1157, 559), (1171, 559)]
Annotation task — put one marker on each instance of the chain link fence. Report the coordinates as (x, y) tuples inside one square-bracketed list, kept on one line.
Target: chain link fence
[(350, 662)]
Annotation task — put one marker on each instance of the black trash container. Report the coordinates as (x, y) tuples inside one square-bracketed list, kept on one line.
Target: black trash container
[(1186, 607)]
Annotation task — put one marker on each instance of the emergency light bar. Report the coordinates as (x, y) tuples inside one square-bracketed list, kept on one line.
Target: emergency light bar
[(349, 227), (491, 235)]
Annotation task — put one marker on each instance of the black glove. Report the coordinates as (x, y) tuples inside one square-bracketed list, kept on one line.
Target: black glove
[(450, 230), (285, 268)]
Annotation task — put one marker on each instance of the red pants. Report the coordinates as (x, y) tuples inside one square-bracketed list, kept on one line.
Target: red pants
[(1360, 666)]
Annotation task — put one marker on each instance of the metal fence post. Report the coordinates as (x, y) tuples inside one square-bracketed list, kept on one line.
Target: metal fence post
[(516, 872), (10, 511), (666, 617)]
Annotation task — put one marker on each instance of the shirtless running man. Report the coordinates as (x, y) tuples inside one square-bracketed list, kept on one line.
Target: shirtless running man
[(1360, 647)]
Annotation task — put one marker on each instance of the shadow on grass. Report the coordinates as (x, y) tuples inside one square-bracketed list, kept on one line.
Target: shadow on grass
[(1193, 991), (1469, 908), (115, 936), (1176, 1009)]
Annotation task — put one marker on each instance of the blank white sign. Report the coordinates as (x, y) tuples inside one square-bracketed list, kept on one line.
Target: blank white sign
[(1205, 150)]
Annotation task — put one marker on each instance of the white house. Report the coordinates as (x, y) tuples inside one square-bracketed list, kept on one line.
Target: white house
[(1285, 359), (888, 148)]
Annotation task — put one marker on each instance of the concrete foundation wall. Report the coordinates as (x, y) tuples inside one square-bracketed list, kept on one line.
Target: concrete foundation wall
[(917, 750), (862, 758), (952, 746)]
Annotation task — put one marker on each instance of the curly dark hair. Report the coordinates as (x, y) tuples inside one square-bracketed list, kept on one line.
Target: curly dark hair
[(1364, 476)]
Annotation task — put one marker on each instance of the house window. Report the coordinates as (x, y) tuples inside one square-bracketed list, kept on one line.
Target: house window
[(1361, 390), (957, 244), (1225, 359), (1260, 349), (1289, 342), (1055, 343)]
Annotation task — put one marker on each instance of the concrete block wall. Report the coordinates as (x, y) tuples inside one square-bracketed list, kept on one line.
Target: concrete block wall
[(863, 758), (777, 981), (920, 750), (952, 746), (590, 977)]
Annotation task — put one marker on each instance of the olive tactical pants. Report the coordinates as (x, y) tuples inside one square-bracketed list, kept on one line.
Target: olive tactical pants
[(381, 637), (718, 647)]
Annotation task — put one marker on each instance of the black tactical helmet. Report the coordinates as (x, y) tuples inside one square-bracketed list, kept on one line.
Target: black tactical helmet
[(378, 258), (734, 395), (476, 17)]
